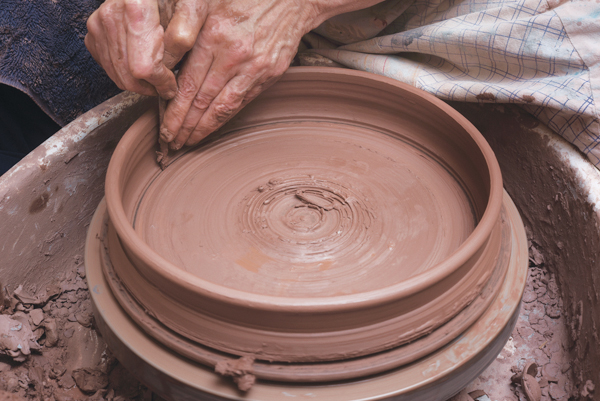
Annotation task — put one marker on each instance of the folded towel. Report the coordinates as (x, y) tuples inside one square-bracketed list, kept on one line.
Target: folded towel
[(42, 53)]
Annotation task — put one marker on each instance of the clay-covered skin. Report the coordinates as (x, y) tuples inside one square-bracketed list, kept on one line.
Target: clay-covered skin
[(301, 210), (339, 215)]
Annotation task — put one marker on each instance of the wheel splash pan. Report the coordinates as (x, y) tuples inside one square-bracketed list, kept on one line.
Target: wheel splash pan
[(339, 217)]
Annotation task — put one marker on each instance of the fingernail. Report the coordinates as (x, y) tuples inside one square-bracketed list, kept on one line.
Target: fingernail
[(175, 145), (166, 135)]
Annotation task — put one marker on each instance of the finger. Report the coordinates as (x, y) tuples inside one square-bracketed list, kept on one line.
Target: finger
[(93, 29), (224, 106), (189, 81), (145, 47), (183, 29), (112, 20), (211, 87), (227, 104), (215, 82), (96, 30), (238, 92), (99, 54)]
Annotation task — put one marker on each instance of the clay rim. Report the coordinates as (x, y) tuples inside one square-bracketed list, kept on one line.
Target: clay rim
[(189, 282)]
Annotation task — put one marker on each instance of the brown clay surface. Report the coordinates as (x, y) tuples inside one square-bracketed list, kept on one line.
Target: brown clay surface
[(33, 270), (69, 360), (301, 210), (429, 379), (544, 341), (311, 227), (305, 372), (531, 170), (564, 225), (47, 200)]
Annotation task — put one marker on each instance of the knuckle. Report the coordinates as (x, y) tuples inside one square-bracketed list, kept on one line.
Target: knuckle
[(183, 40), (232, 98), (106, 12), (260, 65), (241, 51), (91, 22), (223, 112), (212, 24), (186, 87), (202, 101), (262, 61), (252, 93), (142, 70), (256, 70)]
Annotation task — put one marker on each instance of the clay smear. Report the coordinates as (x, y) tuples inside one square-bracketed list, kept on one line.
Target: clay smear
[(240, 370)]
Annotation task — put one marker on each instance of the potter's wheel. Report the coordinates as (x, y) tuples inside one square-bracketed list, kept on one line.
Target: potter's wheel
[(342, 226)]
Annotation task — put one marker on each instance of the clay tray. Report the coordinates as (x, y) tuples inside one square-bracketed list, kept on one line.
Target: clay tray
[(343, 224)]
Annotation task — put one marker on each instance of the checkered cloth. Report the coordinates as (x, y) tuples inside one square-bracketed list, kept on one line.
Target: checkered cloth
[(541, 54)]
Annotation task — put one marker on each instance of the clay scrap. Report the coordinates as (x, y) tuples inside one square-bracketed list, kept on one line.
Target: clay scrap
[(41, 298), (526, 379), (16, 337), (50, 351), (240, 370)]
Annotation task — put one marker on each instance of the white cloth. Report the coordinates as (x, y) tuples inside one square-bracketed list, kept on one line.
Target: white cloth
[(542, 54)]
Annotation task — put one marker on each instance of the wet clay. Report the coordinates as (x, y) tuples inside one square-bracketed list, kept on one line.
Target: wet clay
[(300, 210), (240, 370), (305, 372), (550, 196), (435, 377), (50, 350), (339, 215), (22, 266)]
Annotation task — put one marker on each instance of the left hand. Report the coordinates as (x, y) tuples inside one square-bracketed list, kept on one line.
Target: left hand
[(127, 39)]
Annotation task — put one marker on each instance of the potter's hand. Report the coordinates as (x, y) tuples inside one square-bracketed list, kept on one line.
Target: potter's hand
[(126, 38), (242, 48)]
